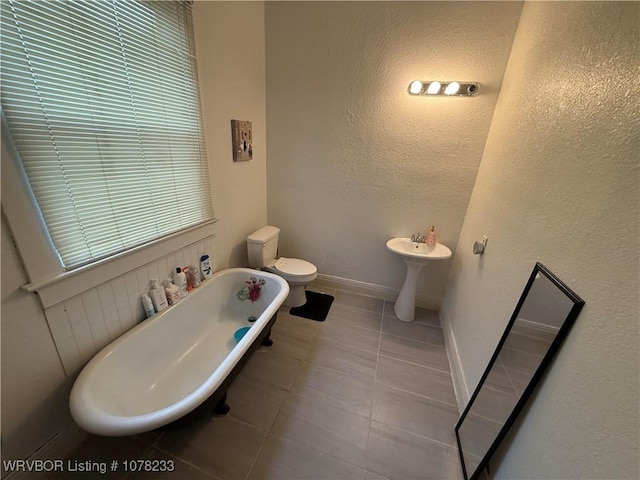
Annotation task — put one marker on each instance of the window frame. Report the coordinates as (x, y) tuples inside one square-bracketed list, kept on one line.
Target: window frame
[(46, 273)]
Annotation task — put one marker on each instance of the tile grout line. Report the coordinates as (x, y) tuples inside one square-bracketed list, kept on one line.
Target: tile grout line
[(442, 402), (275, 418), (513, 385), (375, 376), (321, 452), (436, 369), (145, 453), (272, 434), (422, 396), (192, 465), (439, 442), (413, 339), (264, 442)]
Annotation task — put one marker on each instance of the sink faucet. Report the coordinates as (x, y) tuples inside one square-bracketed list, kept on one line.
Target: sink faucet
[(418, 238)]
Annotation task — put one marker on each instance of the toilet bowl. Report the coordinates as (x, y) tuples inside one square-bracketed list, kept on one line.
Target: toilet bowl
[(262, 247), (298, 274)]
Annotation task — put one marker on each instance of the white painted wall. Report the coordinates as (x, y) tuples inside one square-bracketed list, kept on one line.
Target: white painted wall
[(230, 46), (353, 159), (34, 386), (231, 70), (558, 183)]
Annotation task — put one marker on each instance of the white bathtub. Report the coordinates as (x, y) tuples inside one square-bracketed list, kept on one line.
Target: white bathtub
[(172, 362)]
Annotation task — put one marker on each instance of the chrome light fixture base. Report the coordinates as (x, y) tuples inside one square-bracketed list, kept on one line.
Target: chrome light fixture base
[(448, 89)]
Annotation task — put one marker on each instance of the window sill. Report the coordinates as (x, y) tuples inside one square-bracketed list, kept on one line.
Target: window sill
[(59, 288)]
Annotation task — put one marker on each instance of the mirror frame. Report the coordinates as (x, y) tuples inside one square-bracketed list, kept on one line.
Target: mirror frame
[(578, 303)]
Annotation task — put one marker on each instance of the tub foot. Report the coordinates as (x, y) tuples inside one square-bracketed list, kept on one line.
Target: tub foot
[(221, 407), (266, 341)]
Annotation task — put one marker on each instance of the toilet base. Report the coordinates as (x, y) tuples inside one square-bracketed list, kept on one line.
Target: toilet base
[(296, 297)]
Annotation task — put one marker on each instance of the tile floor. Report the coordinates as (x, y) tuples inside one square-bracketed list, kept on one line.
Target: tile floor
[(360, 396)]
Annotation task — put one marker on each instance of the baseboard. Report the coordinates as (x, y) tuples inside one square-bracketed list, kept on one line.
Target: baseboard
[(537, 327), (58, 447), (373, 290), (459, 382)]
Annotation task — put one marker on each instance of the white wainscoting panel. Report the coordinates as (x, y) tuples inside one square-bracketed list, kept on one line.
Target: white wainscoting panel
[(82, 325)]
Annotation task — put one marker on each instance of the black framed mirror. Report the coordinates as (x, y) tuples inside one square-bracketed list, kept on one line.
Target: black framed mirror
[(541, 320)]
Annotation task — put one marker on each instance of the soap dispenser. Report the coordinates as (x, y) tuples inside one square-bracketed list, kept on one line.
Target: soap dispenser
[(431, 237)]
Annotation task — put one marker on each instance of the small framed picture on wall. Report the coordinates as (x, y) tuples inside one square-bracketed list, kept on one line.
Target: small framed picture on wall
[(241, 140)]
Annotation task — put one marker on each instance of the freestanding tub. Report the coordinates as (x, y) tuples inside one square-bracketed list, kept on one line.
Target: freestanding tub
[(171, 363)]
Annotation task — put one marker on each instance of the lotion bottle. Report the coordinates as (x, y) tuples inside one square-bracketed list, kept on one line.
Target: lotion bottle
[(158, 297), (180, 279), (189, 276), (172, 291), (195, 276), (148, 305)]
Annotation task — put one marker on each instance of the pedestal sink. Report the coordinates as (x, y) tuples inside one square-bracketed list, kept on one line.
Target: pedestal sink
[(415, 255)]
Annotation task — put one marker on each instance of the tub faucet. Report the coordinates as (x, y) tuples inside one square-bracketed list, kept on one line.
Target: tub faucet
[(418, 238)]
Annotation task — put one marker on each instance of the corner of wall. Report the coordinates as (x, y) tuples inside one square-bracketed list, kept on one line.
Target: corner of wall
[(457, 372)]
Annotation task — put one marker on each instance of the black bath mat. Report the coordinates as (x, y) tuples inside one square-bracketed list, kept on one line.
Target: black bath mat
[(316, 308)]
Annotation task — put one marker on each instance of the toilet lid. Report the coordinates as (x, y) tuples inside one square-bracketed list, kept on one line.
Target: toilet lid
[(295, 266)]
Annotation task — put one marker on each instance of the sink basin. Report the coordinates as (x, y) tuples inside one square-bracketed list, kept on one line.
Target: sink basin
[(415, 255), (418, 251)]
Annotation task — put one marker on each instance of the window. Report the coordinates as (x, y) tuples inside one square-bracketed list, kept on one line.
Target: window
[(101, 99)]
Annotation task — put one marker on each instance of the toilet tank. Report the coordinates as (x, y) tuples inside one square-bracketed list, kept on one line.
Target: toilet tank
[(262, 246)]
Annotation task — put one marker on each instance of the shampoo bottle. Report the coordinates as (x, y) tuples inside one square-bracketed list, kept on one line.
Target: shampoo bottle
[(172, 291), (148, 305), (158, 297), (180, 279), (205, 267)]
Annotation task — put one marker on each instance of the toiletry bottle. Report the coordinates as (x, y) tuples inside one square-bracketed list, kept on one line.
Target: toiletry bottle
[(195, 276), (148, 305), (158, 297), (431, 237), (180, 279), (189, 276), (205, 267), (172, 291)]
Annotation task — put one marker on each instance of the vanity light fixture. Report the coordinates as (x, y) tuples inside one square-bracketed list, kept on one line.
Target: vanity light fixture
[(418, 87)]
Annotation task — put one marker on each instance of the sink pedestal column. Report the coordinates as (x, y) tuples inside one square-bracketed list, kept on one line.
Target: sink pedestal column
[(415, 255), (405, 306)]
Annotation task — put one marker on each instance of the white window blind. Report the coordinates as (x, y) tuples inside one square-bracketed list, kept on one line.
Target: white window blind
[(101, 98)]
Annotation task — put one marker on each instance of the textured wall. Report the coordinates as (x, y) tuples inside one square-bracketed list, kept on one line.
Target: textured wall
[(558, 183), (353, 159)]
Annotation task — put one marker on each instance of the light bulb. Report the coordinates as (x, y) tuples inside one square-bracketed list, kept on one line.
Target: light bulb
[(415, 87), (452, 88), (434, 87)]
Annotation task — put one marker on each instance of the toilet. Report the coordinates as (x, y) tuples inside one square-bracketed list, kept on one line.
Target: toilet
[(262, 247)]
